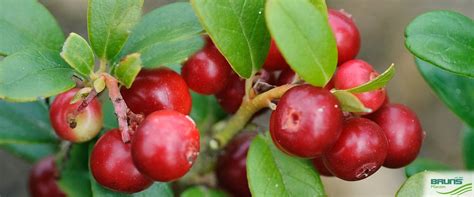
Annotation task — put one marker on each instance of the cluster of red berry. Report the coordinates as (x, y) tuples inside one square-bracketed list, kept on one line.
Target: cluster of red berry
[(309, 123), (163, 147)]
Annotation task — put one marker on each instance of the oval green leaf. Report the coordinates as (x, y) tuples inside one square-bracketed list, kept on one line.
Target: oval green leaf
[(422, 164), (33, 73), (25, 24), (413, 186), (167, 35), (128, 68), (270, 172), (78, 54), (25, 123), (201, 191), (376, 83), (468, 147), (456, 91), (109, 22), (304, 37), (444, 39), (237, 28), (205, 111), (349, 102)]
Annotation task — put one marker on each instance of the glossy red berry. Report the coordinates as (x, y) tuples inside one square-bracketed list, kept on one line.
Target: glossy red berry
[(165, 145), (359, 152), (84, 127), (346, 33), (403, 131), (306, 122), (157, 89), (231, 96), (207, 71), (275, 60), (43, 176), (231, 165), (320, 167), (112, 166), (357, 72)]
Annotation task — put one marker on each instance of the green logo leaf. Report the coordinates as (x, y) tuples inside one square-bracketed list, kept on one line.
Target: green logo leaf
[(78, 54), (304, 37), (237, 27)]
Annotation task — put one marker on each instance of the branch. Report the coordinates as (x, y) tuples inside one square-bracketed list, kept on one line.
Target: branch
[(245, 112), (120, 107)]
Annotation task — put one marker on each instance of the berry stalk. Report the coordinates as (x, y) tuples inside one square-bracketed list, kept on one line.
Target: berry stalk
[(245, 112), (120, 107)]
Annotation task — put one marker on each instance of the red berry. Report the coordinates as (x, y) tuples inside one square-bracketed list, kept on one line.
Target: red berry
[(320, 167), (165, 145), (306, 122), (231, 96), (87, 124), (157, 89), (287, 76), (275, 60), (207, 71), (346, 33), (403, 131), (43, 176), (231, 166), (112, 166), (359, 152), (357, 72)]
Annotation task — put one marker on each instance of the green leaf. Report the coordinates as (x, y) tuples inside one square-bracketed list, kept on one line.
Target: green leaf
[(128, 69), (109, 23), (456, 91), (376, 83), (349, 102), (167, 35), (321, 6), (25, 24), (273, 173), (75, 181), (78, 54), (200, 191), (444, 39), (237, 28), (25, 123), (468, 147), (205, 111), (33, 73), (311, 51), (30, 152), (413, 186), (421, 164), (157, 189)]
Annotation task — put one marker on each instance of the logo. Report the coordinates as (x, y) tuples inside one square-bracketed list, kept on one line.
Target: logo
[(449, 184)]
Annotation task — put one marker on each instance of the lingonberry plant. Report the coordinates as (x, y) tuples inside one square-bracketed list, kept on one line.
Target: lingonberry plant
[(130, 119)]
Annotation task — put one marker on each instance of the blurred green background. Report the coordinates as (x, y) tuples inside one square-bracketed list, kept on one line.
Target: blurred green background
[(381, 23)]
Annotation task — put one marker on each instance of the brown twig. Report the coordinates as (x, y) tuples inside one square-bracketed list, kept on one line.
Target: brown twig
[(72, 117), (121, 109)]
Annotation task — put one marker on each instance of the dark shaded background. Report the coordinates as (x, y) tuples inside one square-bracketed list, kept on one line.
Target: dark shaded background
[(381, 23)]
